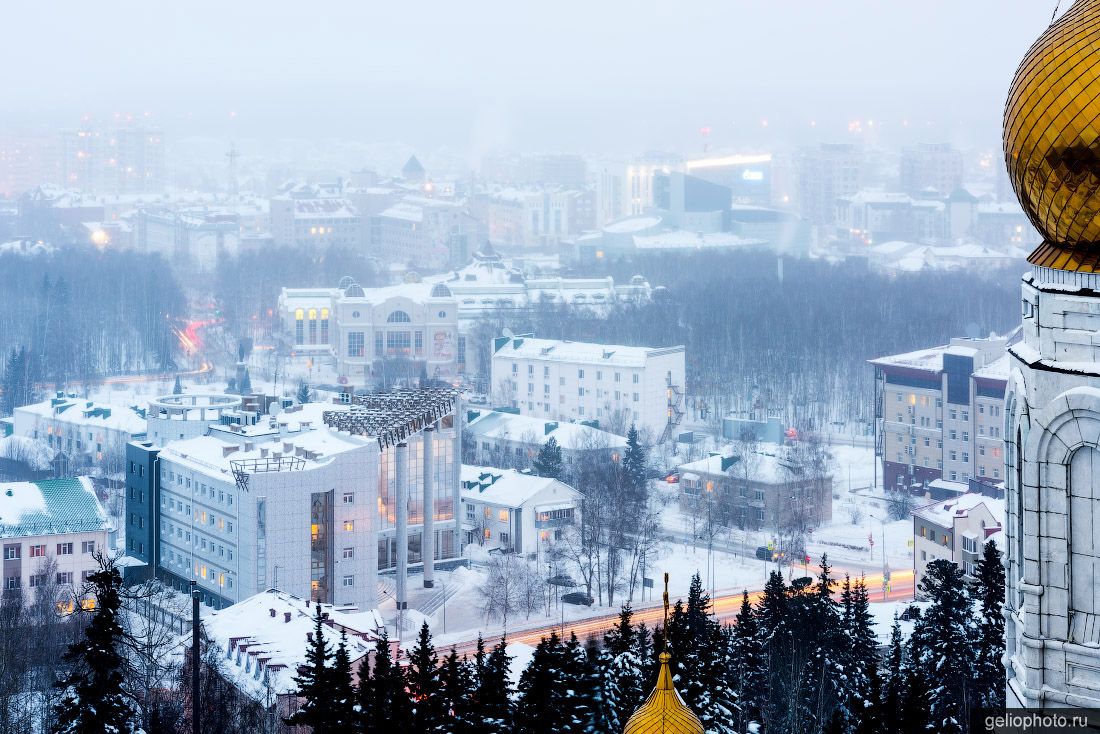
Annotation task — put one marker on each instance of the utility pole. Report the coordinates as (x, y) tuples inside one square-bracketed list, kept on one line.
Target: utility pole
[(195, 715)]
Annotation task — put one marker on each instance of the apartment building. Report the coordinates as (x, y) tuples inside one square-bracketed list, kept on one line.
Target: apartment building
[(81, 432), (939, 413), (612, 384), (955, 530), (505, 439), (56, 521)]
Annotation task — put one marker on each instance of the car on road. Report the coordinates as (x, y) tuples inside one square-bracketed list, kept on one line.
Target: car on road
[(763, 553), (578, 597)]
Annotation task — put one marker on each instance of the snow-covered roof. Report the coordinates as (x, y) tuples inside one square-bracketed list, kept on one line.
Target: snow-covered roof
[(632, 225), (263, 639), (506, 487), (996, 370), (570, 436), (556, 350), (945, 513), (50, 507), (767, 467), (685, 239), (214, 456), (80, 412)]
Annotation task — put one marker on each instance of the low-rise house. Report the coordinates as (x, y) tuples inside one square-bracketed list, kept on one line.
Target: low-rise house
[(51, 531), (955, 530), (83, 432), (759, 489), (262, 642), (519, 513), (501, 438)]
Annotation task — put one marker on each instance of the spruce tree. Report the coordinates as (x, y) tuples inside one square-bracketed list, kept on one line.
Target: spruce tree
[(494, 693), (893, 696), (540, 709), (457, 692), (548, 463), (581, 686), (989, 641), (177, 389), (303, 395), (314, 683), (93, 700), (382, 703), (748, 665), (246, 383), (621, 673), (341, 693), (916, 716), (826, 678), (634, 463), (776, 636), (423, 676), (942, 643)]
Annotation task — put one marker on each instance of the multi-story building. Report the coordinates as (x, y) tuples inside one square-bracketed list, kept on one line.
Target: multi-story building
[(505, 439), (522, 513), (614, 385), (748, 177), (318, 509), (939, 413), (55, 522), (825, 174), (931, 167), (82, 432), (535, 218), (316, 217), (869, 217), (423, 232), (767, 488), (125, 159), (56, 215), (955, 530)]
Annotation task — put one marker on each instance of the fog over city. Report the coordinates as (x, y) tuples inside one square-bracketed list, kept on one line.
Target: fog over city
[(725, 367)]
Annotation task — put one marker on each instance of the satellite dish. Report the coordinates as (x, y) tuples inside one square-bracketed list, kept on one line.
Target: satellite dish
[(973, 331), (506, 332)]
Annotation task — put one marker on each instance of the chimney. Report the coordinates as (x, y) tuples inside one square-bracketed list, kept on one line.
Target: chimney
[(288, 447), (248, 446), (264, 451), (272, 611), (286, 617), (309, 636), (227, 450)]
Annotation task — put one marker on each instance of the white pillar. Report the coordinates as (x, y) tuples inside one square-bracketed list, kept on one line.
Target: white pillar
[(427, 540), (402, 523)]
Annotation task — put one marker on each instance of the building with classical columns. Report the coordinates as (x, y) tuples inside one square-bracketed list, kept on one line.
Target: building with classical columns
[(1052, 401)]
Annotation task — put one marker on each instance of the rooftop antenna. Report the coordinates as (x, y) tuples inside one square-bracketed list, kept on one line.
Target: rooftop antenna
[(233, 154), (664, 630)]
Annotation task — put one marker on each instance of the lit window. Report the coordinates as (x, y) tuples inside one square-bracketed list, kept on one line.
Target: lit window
[(349, 526), (503, 515)]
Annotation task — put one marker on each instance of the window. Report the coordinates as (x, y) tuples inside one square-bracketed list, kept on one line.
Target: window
[(504, 538), (488, 512), (11, 582), (64, 577), (349, 498), (966, 456), (970, 545), (758, 495), (953, 414), (348, 581), (36, 580), (64, 549), (38, 551), (349, 526), (356, 344), (11, 552), (545, 372), (515, 368), (635, 397), (966, 436), (503, 515), (398, 317), (966, 415), (87, 546), (469, 512), (580, 374), (488, 534), (348, 553)]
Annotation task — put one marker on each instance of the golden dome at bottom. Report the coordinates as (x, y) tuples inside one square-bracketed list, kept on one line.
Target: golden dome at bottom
[(664, 712)]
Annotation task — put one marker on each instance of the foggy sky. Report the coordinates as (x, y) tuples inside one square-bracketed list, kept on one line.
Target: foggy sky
[(568, 75)]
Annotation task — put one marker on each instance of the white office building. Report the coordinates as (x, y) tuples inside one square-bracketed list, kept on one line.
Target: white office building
[(612, 384), (520, 513)]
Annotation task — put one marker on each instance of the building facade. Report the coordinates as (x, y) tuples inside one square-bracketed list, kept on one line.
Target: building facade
[(956, 530), (505, 439), (614, 385), (939, 413), (318, 510), (82, 432)]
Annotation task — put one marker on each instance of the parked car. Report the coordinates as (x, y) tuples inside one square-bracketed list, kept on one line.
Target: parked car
[(763, 553), (562, 579), (578, 597), (673, 477)]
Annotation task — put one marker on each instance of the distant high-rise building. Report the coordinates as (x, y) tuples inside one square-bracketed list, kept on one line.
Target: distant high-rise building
[(931, 167), (826, 173), (121, 160)]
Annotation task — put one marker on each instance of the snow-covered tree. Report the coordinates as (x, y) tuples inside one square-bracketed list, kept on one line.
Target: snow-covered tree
[(314, 682), (177, 389), (495, 712), (341, 693), (304, 394), (989, 641), (422, 675), (548, 463), (621, 673)]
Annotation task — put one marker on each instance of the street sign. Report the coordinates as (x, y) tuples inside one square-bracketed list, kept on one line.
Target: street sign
[(647, 583)]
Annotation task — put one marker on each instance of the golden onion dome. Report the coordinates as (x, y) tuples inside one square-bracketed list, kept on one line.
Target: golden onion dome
[(664, 712), (1051, 131)]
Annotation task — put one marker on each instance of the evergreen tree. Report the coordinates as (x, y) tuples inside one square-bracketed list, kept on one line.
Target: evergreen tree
[(582, 686), (93, 700), (634, 463), (304, 394), (540, 709), (177, 389), (314, 683), (341, 693), (382, 703), (748, 665), (621, 673), (423, 675), (989, 642), (457, 691), (777, 641), (548, 463), (494, 693), (916, 717), (826, 677), (893, 696), (942, 649)]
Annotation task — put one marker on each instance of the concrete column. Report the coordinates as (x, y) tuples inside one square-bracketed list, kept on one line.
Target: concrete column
[(427, 540), (402, 523)]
